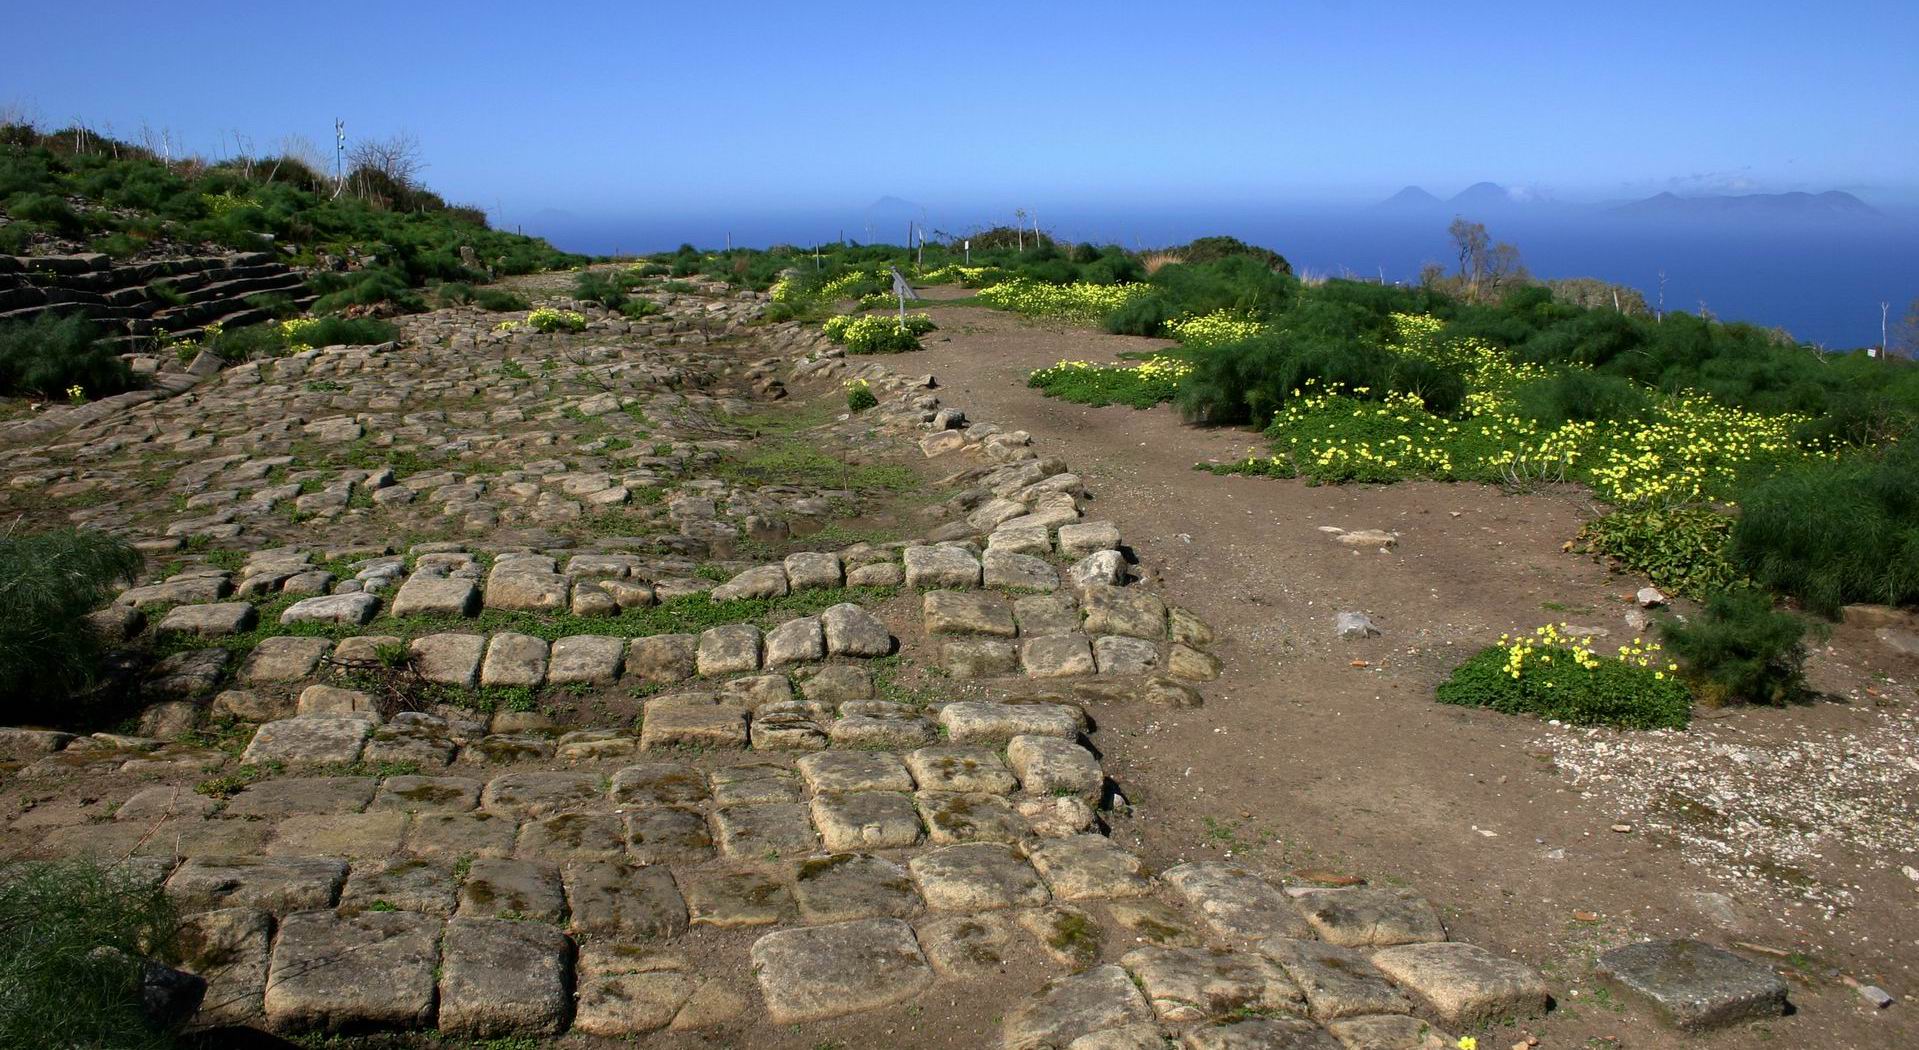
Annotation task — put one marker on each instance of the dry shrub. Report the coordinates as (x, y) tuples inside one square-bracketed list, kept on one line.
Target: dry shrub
[(1153, 261)]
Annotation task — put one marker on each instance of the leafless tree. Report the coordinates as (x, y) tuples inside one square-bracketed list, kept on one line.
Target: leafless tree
[(1484, 267), (397, 157)]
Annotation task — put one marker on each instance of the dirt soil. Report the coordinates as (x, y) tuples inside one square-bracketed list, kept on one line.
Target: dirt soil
[(1317, 753)]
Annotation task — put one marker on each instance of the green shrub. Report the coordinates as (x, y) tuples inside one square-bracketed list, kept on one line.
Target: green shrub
[(1143, 315), (71, 939), (366, 288), (1741, 648), (337, 331), (1609, 692), (1207, 249), (1830, 533), (1580, 395), (595, 286), (859, 396), (49, 581), (634, 309), (1683, 549), (499, 300), (247, 343), (1246, 382), (47, 210), (48, 355)]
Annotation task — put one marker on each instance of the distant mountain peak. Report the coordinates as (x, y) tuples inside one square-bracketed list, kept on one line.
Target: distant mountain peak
[(1411, 197)]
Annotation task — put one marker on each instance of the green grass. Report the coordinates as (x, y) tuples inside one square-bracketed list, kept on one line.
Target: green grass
[(49, 581), (1613, 693), (71, 935)]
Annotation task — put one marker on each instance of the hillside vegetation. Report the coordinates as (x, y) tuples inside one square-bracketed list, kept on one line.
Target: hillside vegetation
[(373, 241)]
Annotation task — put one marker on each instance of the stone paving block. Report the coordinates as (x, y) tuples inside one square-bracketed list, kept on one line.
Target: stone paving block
[(979, 722), (732, 898), (165, 802), (969, 946), (285, 796), (185, 675), (1099, 569), (514, 660), (449, 659), (508, 749), (345, 973), (539, 793), (616, 899), (712, 726), (978, 657), (967, 612), (1463, 985), (327, 701), (1390, 1032), (512, 590), (1083, 538), (1044, 614), (501, 979), (1235, 902), (761, 581), (1117, 654), (1144, 920), (229, 949), (942, 566), (350, 835), (893, 727), (1337, 982), (626, 989), (971, 816), (586, 659), (306, 740), (1260, 1033), (818, 972), (662, 658), (1020, 539), (429, 747), (1200, 984), (412, 884), (275, 884), (595, 745), (1051, 765), (1087, 867), (495, 887), (731, 649), (756, 691), (1695, 986), (976, 876), (362, 648), (1070, 1008), (286, 658), (960, 768), (796, 641), (1057, 656), (813, 569), (764, 831), (1184, 661), (1015, 571), (658, 784), (461, 835), (348, 610), (761, 780), (663, 834), (838, 771), (852, 631), (1370, 917), (573, 836), (424, 595), (846, 886), (1126, 611), (866, 820), (795, 726), (1066, 933)]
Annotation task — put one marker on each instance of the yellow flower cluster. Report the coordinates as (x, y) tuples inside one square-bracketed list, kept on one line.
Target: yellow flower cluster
[(1214, 329), (784, 291), (842, 287), (547, 319), (970, 276), (1557, 639), (294, 330), (1079, 301)]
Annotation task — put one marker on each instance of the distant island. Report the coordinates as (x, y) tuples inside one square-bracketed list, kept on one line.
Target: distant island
[(1492, 198)]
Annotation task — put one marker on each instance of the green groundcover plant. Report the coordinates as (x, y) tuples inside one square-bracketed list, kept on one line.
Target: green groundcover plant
[(1554, 674)]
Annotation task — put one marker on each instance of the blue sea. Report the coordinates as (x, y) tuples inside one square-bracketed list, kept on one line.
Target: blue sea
[(1821, 281)]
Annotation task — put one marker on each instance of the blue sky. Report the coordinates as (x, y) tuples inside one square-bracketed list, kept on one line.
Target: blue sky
[(636, 108)]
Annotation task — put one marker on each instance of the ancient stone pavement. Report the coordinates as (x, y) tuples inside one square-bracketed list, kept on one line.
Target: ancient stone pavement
[(477, 697)]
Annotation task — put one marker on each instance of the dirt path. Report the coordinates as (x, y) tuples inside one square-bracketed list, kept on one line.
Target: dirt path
[(1318, 753)]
